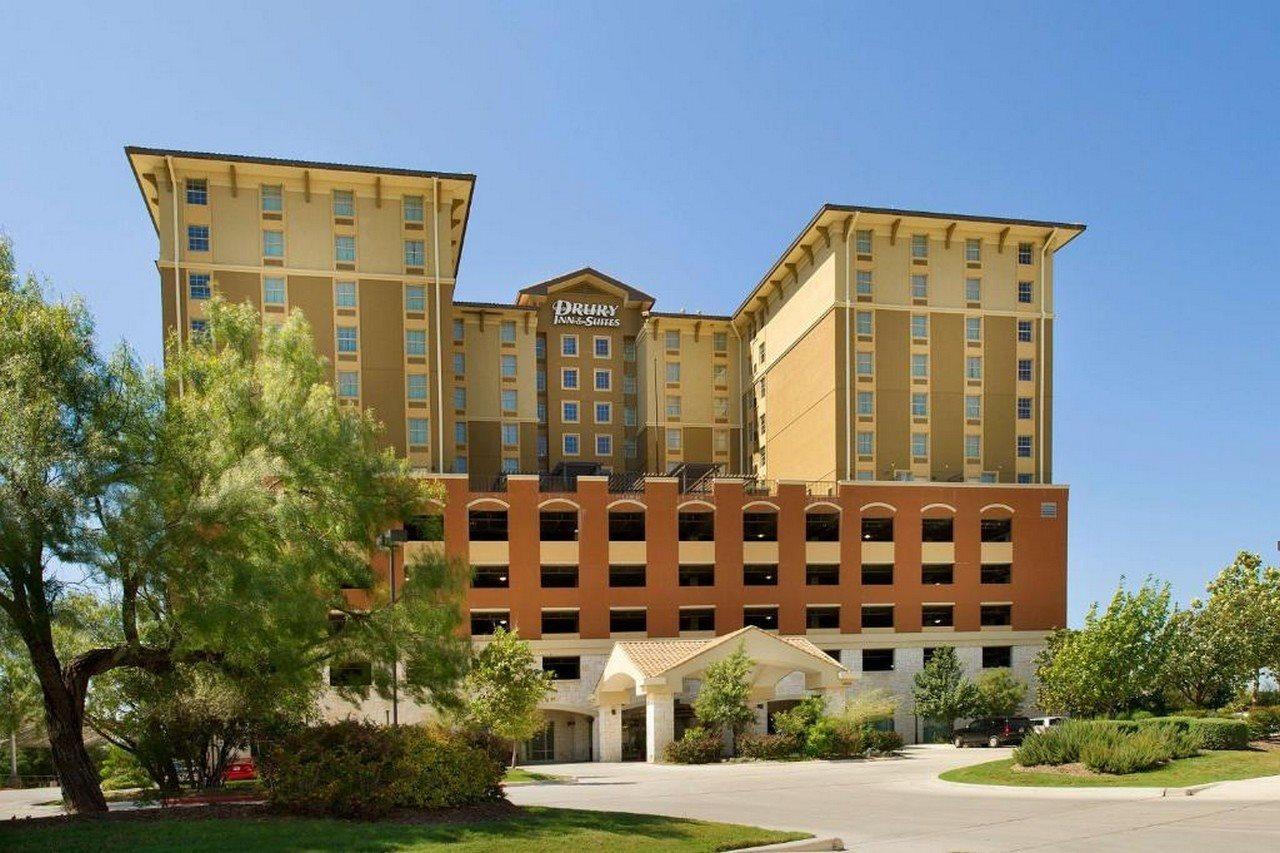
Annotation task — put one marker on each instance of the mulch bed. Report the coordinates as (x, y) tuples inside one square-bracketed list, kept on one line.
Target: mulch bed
[(496, 810)]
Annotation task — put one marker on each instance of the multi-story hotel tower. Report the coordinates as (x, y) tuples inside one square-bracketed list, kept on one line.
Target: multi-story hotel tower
[(850, 470)]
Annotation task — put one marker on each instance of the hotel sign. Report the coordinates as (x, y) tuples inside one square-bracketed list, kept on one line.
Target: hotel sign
[(566, 313)]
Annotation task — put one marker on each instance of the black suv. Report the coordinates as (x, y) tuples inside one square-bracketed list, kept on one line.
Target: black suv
[(993, 732)]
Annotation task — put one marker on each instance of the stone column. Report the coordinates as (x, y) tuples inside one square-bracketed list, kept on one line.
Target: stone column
[(608, 733), (660, 723), (833, 697)]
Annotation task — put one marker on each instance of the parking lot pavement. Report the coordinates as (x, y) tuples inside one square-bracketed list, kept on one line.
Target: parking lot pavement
[(900, 805), (30, 802)]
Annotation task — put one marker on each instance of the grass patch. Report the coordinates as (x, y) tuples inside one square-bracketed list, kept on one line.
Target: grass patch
[(1218, 766), (530, 829), (518, 775)]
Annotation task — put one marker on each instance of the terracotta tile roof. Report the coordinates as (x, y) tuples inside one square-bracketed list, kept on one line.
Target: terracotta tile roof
[(654, 657)]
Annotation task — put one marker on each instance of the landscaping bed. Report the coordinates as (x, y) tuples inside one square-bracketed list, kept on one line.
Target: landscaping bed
[(1209, 766)]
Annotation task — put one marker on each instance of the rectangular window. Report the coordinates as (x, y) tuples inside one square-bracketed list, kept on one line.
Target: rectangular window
[(510, 465), (821, 617), (485, 622), (511, 435), (973, 406), (628, 384), (1024, 331), (564, 668), (877, 530), (764, 618), (344, 203), (411, 208), (344, 249), (1024, 447), (997, 573), (919, 404), (937, 574), (629, 416), (997, 657), (1025, 370), (460, 432), (568, 345), (354, 673), (418, 431), (508, 365), (344, 294), (937, 615), (415, 342), (507, 332), (919, 286), (602, 346), (604, 444), (877, 574), (197, 238), (604, 380), (559, 577), (1025, 292), (604, 413), (273, 244), (877, 616), (413, 253), (628, 621), (699, 575), (415, 298), (919, 245), (558, 525), (490, 577), (920, 365), (720, 341), (997, 529), (973, 329), (569, 378), (1024, 408), (821, 525), (864, 363), (348, 384), (626, 576), (973, 289), (626, 526), (877, 660), (347, 339), (695, 526), (559, 621), (720, 375), (972, 250), (759, 527), (542, 445), (866, 403), (629, 349), (822, 575), (459, 364), (460, 333), (721, 405), (863, 283), (862, 242), (697, 619), (1024, 253), (973, 447), (920, 327), (996, 615), (866, 443), (273, 292), (673, 407), (197, 191), (673, 371), (272, 196), (540, 379), (569, 411), (937, 530), (487, 525), (919, 444), (672, 339), (198, 285), (570, 444), (459, 398), (759, 575), (863, 322), (675, 439), (973, 367)]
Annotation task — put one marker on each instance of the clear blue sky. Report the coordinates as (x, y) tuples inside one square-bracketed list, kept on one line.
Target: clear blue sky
[(681, 148)]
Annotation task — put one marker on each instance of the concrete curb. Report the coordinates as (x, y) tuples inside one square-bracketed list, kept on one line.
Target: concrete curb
[(802, 844), (1190, 791)]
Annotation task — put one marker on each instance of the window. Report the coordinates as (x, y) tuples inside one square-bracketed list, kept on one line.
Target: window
[(866, 443), (877, 660), (540, 379), (604, 444), (919, 286), (559, 577), (487, 525), (198, 238), (1024, 331), (996, 615), (696, 526), (569, 411), (919, 444), (415, 342), (862, 242), (864, 363), (601, 347), (1024, 370), (628, 621), (348, 384), (459, 398), (673, 407), (863, 282), (347, 340), (1024, 408), (997, 573), (411, 208), (629, 416), (272, 198), (973, 329), (720, 441), (822, 527), (558, 525), (628, 349), (920, 365), (507, 332), (626, 526), (604, 380), (352, 673), (1024, 253), (821, 617), (937, 573), (511, 434), (415, 298), (997, 529), (344, 294), (700, 575), (1025, 292), (919, 245), (973, 289), (937, 530), (273, 290), (719, 374), (459, 364), (675, 439), (972, 250), (460, 432), (760, 527), (197, 191), (866, 403), (673, 371), (697, 619), (973, 367), (198, 285), (1024, 447), (877, 616), (413, 253), (486, 622), (877, 530), (920, 327), (542, 445), (569, 378), (628, 384), (624, 576), (344, 203), (822, 575), (273, 244), (765, 618), (344, 249), (672, 339), (490, 577), (877, 574), (559, 621), (972, 446), (997, 657), (604, 413), (460, 334), (937, 615), (721, 405), (563, 668), (761, 574), (863, 322), (508, 363), (570, 444), (720, 341), (199, 329), (418, 432), (919, 404)]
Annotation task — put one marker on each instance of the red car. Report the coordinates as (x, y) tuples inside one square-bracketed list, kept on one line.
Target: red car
[(240, 771)]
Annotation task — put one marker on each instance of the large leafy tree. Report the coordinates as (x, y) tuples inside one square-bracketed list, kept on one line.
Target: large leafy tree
[(1243, 610), (722, 701), (942, 691), (1115, 662), (1000, 693), (1205, 668), (503, 690), (221, 507)]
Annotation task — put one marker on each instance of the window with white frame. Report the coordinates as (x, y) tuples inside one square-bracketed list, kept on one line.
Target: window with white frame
[(604, 444), (973, 406), (1024, 408), (920, 327), (416, 386), (568, 345), (460, 398), (344, 249), (919, 365), (411, 208), (460, 330), (347, 339), (972, 249), (459, 364), (673, 407), (973, 367), (1024, 253), (1024, 447), (415, 298), (972, 446), (866, 442), (510, 434), (604, 413), (862, 242), (720, 342), (866, 403), (629, 416), (863, 283), (508, 365), (919, 245), (569, 378), (863, 324), (602, 346), (344, 203), (510, 400), (603, 379), (919, 444), (569, 443), (973, 329), (198, 285), (720, 374), (197, 238), (273, 291), (721, 407), (673, 339), (344, 294), (1024, 331), (864, 363), (919, 286), (507, 332), (569, 411), (197, 191), (348, 384), (415, 342), (418, 432), (673, 371), (1026, 293), (273, 244), (675, 439), (413, 253), (272, 197), (1025, 370), (973, 290), (919, 404)]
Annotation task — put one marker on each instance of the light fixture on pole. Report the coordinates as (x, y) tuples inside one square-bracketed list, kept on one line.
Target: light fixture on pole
[(388, 539)]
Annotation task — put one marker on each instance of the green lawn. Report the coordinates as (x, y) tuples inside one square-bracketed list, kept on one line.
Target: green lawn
[(1206, 767), (535, 829), (518, 775)]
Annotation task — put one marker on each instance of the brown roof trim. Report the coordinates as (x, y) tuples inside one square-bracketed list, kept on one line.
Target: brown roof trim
[(131, 150), (501, 306), (542, 287), (686, 315)]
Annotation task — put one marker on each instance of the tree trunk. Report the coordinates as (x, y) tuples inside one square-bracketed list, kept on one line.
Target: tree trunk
[(64, 718), (13, 759), (515, 746)]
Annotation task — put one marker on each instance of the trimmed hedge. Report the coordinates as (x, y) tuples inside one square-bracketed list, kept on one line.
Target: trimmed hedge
[(1264, 722), (358, 769), (769, 747), (695, 746), (1214, 732)]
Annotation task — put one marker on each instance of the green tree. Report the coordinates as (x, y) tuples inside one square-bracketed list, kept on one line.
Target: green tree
[(1000, 694), (1204, 667), (721, 704), (502, 691), (221, 518), (1115, 662), (1244, 607), (20, 704), (942, 691)]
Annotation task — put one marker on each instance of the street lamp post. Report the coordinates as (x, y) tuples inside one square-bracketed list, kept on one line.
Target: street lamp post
[(389, 539)]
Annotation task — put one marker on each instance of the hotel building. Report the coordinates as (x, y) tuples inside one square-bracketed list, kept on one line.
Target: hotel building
[(850, 469)]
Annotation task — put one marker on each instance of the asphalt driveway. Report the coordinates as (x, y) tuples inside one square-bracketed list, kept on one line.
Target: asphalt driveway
[(900, 804)]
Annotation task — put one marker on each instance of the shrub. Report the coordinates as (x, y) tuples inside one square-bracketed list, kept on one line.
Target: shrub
[(120, 770), (832, 737), (1221, 733), (1055, 745), (696, 746), (1117, 752), (797, 720), (883, 741), (356, 769), (769, 747), (1264, 722), (1267, 698)]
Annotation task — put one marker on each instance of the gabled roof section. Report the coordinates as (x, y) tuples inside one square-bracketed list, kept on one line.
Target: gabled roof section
[(544, 288), (656, 657)]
